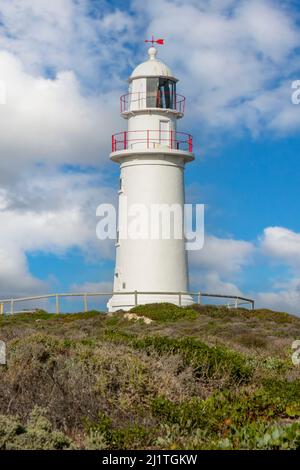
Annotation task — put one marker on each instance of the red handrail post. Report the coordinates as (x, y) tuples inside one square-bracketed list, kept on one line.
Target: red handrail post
[(125, 140), (113, 143), (190, 144), (172, 139), (148, 139)]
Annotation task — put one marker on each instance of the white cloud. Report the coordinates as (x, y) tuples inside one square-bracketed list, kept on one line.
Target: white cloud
[(285, 297), (62, 66), (15, 275), (50, 121), (230, 56), (76, 35), (212, 283), (225, 256), (52, 214), (217, 266), (220, 267), (272, 29), (282, 245)]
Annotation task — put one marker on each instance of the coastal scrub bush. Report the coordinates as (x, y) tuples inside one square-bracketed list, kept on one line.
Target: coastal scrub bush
[(165, 312), (37, 434), (209, 361)]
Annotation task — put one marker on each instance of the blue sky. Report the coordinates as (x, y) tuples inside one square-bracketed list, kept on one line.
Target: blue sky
[(64, 66)]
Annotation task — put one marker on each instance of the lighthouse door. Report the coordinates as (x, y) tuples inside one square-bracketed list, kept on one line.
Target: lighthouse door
[(164, 133)]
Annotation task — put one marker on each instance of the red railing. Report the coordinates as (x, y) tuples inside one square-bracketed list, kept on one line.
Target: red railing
[(140, 101), (150, 139)]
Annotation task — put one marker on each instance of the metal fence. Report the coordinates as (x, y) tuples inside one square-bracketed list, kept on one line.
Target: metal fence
[(8, 306)]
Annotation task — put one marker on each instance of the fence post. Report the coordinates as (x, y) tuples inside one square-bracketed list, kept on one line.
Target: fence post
[(252, 305), (199, 298), (1, 309), (12, 306), (236, 303), (180, 299), (57, 304), (85, 301)]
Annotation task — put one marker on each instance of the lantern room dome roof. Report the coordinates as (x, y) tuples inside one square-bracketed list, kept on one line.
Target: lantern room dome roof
[(152, 68)]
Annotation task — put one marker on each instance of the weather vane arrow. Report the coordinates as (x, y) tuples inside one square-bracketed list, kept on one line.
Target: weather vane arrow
[(156, 41)]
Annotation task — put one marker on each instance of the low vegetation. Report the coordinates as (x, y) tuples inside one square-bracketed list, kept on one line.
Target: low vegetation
[(202, 377)]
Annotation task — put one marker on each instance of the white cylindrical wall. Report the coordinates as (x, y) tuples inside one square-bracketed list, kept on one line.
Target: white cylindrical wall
[(151, 131), (150, 265)]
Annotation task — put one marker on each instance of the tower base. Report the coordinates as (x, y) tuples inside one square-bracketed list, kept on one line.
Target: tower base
[(128, 301)]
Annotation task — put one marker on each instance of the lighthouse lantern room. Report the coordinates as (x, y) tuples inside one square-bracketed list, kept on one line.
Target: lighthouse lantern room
[(152, 155)]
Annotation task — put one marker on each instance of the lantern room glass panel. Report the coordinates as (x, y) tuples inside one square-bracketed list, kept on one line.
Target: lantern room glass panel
[(161, 93)]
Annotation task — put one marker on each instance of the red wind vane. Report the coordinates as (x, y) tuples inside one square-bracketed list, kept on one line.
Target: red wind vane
[(155, 41)]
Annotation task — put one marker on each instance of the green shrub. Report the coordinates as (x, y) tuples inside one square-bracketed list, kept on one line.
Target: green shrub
[(210, 361), (221, 411), (10, 429), (215, 311), (102, 435), (38, 434), (165, 312), (264, 437), (287, 392), (261, 314), (274, 364)]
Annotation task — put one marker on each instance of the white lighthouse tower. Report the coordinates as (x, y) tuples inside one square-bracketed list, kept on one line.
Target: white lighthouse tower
[(152, 155)]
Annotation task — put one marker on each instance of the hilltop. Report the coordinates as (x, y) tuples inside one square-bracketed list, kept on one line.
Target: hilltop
[(202, 377)]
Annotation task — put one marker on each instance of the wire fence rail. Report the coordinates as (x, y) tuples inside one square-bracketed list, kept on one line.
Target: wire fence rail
[(8, 306)]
